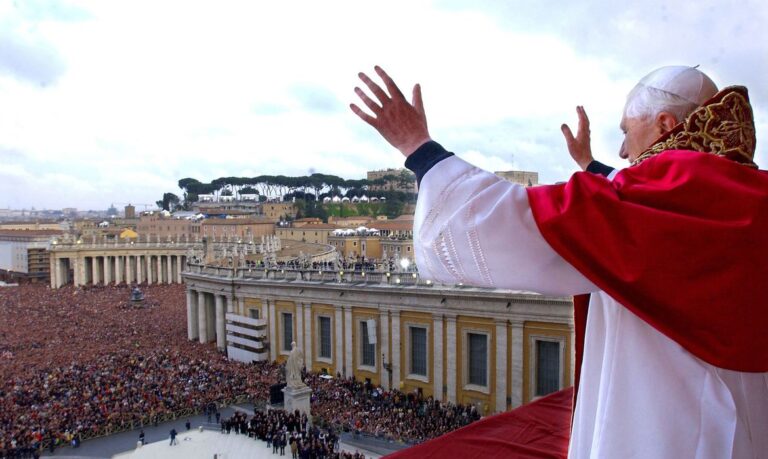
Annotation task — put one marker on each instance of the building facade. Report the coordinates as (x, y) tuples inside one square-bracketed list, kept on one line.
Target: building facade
[(315, 233), (24, 254), (491, 348), (356, 245), (156, 225), (241, 228)]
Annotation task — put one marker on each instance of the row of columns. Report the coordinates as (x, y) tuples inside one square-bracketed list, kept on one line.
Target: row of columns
[(206, 317), (117, 269)]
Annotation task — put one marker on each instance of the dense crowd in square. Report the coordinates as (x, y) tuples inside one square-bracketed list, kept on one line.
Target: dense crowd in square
[(80, 362)]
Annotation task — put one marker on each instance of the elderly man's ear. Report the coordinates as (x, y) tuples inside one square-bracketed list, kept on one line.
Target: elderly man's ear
[(665, 121)]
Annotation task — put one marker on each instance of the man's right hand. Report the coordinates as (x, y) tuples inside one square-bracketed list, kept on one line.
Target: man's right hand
[(579, 147), (402, 124)]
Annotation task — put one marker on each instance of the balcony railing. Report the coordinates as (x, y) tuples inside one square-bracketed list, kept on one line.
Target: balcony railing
[(403, 278)]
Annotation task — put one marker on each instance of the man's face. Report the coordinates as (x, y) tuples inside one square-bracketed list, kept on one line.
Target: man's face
[(639, 133)]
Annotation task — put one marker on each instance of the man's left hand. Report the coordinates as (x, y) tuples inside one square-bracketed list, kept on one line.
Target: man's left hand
[(402, 124), (579, 146)]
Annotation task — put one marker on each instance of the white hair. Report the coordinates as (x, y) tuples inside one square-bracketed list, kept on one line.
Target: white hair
[(678, 90)]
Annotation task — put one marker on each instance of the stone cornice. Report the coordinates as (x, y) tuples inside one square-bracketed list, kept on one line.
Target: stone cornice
[(435, 299)]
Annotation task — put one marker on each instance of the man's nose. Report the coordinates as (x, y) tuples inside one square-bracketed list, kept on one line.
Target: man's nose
[(623, 152)]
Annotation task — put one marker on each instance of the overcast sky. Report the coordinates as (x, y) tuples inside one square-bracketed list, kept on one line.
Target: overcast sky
[(112, 102)]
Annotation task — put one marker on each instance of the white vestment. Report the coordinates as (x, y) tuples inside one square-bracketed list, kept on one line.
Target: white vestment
[(641, 395)]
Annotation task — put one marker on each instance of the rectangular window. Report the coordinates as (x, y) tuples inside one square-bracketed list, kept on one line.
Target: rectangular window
[(367, 345), (325, 337), (547, 367), (254, 313), (478, 359), (287, 330), (418, 351)]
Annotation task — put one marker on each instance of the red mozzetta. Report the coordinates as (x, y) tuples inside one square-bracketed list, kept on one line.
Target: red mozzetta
[(681, 240)]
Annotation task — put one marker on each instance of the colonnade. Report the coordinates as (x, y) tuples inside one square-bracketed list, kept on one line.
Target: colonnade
[(206, 317), (117, 269)]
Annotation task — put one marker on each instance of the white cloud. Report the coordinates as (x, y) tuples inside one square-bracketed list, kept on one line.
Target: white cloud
[(141, 94)]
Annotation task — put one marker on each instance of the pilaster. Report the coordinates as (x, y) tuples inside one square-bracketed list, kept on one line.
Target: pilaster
[(501, 366), (450, 339), (349, 350), (517, 363), (339, 335), (385, 344), (273, 344), (437, 372), (396, 378), (308, 335)]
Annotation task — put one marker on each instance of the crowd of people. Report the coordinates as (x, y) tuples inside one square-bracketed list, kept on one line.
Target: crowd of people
[(75, 362), (393, 415), (281, 430)]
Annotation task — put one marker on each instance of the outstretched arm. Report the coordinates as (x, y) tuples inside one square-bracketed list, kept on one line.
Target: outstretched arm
[(473, 227), (402, 124)]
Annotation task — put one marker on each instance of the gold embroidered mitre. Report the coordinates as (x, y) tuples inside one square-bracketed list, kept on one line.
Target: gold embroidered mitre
[(723, 126)]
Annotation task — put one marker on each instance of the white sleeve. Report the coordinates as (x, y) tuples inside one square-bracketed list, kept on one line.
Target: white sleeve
[(475, 228)]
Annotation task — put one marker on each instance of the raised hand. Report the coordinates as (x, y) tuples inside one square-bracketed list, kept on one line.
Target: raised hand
[(402, 124), (579, 147)]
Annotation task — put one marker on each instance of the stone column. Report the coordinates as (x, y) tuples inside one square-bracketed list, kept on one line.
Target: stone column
[(221, 329), (169, 268), (159, 269), (273, 344), (202, 318), (128, 270), (385, 355), (396, 378), (193, 329), (437, 371), (501, 366), (339, 348), (139, 277), (179, 268), (349, 348), (299, 337), (517, 363), (56, 272), (450, 358), (81, 269), (95, 270), (108, 270), (119, 260), (308, 336), (210, 317)]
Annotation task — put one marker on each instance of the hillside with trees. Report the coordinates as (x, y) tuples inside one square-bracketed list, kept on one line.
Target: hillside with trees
[(308, 191)]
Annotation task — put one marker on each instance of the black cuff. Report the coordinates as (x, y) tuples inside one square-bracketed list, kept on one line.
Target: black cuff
[(596, 167), (425, 157)]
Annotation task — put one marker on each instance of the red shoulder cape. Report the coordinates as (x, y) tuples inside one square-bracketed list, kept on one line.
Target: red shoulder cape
[(681, 241)]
